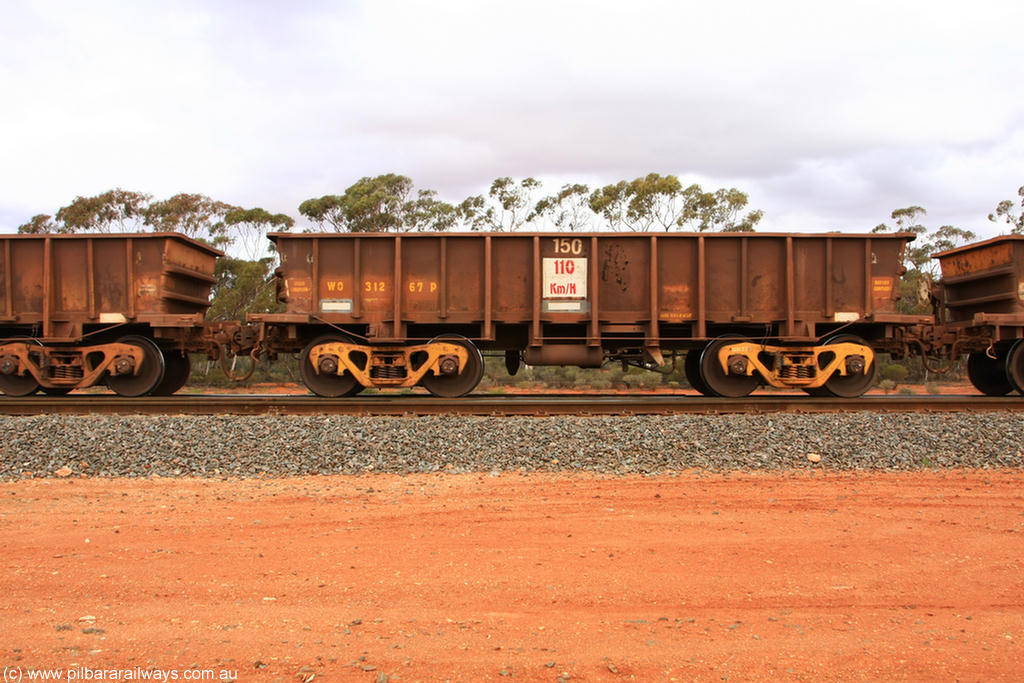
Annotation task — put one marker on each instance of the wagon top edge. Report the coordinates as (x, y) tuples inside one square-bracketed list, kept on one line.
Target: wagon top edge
[(121, 236), (907, 236), (1001, 239)]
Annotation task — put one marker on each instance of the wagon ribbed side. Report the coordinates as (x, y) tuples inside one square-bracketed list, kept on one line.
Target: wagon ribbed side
[(580, 299), (61, 285), (117, 308)]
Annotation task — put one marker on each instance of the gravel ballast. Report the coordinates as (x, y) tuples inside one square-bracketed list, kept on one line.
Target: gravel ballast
[(246, 446)]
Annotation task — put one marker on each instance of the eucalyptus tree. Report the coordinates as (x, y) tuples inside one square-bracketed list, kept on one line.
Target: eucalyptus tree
[(251, 227), (657, 202), (115, 210), (507, 207), (195, 215), (380, 204), (921, 270), (1009, 214), (568, 209)]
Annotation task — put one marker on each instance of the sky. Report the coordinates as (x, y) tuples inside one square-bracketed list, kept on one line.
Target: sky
[(828, 115)]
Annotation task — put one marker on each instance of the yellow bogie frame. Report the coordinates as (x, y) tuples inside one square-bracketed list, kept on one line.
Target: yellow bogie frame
[(796, 366), (442, 359), (82, 372)]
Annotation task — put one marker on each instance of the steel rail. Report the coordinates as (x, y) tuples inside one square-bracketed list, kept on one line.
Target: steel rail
[(494, 405)]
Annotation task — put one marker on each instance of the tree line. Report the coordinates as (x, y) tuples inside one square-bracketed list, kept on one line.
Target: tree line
[(390, 203), (195, 215)]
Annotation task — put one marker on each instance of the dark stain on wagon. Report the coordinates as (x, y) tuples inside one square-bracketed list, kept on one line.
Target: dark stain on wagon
[(615, 266)]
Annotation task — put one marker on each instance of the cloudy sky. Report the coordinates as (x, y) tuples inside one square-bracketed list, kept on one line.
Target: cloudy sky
[(829, 115)]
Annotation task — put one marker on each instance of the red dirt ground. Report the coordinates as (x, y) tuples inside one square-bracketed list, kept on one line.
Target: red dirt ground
[(741, 577)]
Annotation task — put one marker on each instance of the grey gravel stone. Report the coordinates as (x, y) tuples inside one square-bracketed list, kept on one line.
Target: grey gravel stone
[(260, 446)]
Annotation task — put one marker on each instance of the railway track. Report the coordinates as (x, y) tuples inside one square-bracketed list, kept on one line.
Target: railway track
[(495, 405)]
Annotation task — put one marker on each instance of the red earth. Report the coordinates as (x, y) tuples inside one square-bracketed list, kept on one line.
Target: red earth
[(541, 577)]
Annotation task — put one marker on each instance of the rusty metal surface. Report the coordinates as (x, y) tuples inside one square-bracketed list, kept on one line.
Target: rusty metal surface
[(412, 405), (986, 279), (61, 286), (590, 289)]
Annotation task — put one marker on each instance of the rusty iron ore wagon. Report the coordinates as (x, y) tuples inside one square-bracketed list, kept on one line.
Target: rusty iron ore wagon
[(805, 311), (125, 310), (981, 300)]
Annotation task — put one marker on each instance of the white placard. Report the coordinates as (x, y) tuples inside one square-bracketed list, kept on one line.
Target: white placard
[(564, 306), (564, 278), (336, 305)]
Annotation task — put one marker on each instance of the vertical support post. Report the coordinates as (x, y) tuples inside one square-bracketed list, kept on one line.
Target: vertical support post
[(397, 331), (443, 278), (48, 285), (130, 276), (314, 294), (488, 332), (357, 279), (535, 329), (744, 278), (653, 338), (830, 309), (790, 289), (595, 304), (8, 280), (868, 308), (91, 275), (702, 288)]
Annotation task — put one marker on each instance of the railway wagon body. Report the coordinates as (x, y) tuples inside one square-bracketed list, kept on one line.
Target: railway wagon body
[(982, 295), (797, 310), (77, 310)]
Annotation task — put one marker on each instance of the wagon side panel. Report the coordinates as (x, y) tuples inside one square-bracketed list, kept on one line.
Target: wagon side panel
[(886, 259), (847, 276), (466, 282), (422, 284), (27, 283), (765, 270), (810, 279), (512, 273), (624, 267), (680, 291), (110, 278), (6, 290), (295, 274), (70, 279)]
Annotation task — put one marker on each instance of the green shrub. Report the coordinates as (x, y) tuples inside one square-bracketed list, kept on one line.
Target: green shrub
[(895, 372)]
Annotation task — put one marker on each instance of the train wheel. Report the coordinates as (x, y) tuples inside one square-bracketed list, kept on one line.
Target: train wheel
[(18, 385), (148, 379), (177, 368), (691, 366), (453, 386), (1015, 366), (717, 380), (988, 375), (327, 382), (853, 384)]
